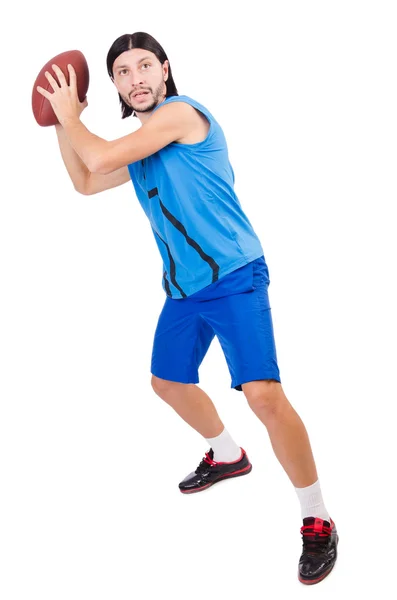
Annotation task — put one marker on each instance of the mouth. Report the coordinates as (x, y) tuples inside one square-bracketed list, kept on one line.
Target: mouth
[(140, 95)]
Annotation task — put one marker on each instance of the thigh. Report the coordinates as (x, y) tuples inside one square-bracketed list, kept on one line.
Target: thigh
[(243, 324), (181, 341)]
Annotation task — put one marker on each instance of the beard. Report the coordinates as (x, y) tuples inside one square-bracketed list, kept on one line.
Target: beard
[(157, 96)]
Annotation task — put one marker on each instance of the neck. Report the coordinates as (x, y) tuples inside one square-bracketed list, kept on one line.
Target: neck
[(144, 117)]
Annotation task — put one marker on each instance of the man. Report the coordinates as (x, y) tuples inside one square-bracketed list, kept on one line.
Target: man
[(215, 275)]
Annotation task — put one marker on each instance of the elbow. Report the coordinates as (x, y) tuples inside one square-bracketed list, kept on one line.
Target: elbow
[(99, 166), (100, 159), (83, 191), (83, 187)]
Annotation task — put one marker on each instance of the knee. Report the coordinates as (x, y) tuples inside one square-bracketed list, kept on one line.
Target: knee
[(265, 397), (163, 387)]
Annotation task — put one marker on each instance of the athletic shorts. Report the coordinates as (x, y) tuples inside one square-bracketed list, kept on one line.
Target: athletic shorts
[(236, 309)]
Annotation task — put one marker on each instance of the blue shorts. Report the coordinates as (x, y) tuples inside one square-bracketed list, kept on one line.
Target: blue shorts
[(236, 309)]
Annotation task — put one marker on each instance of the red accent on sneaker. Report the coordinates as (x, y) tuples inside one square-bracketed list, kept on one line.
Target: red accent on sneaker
[(318, 525), (209, 460), (228, 463), (235, 472), (318, 528)]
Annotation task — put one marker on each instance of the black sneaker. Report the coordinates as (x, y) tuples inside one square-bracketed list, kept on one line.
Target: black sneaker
[(318, 558), (209, 472)]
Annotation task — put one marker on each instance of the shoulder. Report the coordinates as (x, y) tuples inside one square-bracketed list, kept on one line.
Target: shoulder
[(179, 118), (178, 108)]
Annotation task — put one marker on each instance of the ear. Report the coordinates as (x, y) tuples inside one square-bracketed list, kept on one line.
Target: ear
[(166, 65)]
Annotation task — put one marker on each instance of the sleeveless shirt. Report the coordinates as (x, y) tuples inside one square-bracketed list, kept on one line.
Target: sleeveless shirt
[(187, 193)]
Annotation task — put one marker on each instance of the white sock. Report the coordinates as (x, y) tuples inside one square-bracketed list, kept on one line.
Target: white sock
[(312, 503), (224, 447)]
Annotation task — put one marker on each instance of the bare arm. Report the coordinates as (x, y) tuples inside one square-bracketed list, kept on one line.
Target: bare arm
[(77, 170), (99, 183), (84, 181), (173, 122)]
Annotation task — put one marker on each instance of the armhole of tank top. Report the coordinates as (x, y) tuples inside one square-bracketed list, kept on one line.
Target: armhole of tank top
[(131, 171), (210, 130)]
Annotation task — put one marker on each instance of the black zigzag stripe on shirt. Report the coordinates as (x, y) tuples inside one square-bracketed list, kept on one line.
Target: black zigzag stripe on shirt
[(167, 285), (208, 259), (172, 271)]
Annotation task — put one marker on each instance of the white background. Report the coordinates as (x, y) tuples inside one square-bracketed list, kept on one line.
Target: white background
[(90, 457)]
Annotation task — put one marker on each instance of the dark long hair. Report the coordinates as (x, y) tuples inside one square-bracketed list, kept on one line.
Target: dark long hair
[(144, 41)]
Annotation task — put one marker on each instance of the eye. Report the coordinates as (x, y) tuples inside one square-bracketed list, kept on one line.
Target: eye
[(122, 71), (146, 65)]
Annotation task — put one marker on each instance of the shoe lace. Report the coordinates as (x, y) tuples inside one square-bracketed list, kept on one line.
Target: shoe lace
[(205, 464), (315, 541)]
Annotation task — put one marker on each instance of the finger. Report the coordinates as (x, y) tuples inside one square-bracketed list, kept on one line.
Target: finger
[(72, 76), (52, 81), (61, 76), (44, 92)]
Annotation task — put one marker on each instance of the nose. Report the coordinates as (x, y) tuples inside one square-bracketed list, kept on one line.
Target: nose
[(136, 78)]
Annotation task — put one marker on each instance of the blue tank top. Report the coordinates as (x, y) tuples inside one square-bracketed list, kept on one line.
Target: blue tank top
[(187, 193)]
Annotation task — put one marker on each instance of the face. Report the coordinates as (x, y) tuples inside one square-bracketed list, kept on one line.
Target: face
[(140, 79)]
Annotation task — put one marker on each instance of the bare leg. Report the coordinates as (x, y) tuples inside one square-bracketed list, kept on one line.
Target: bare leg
[(192, 404), (286, 430)]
